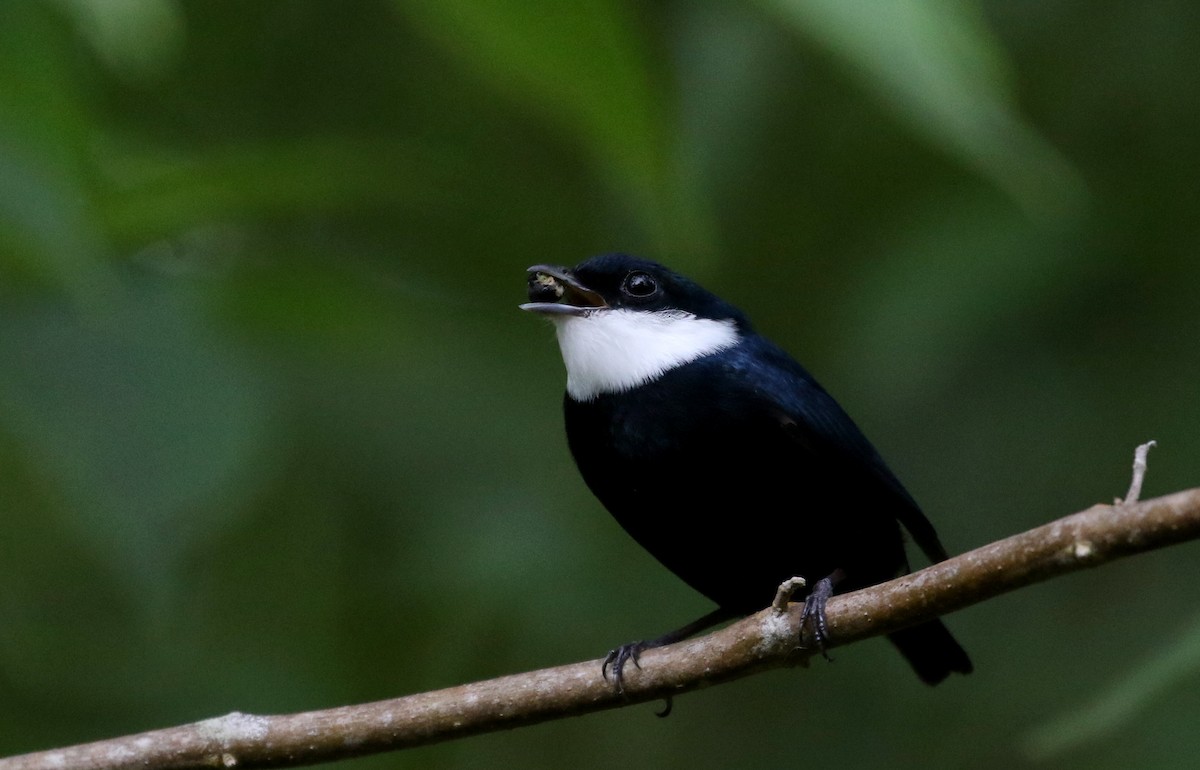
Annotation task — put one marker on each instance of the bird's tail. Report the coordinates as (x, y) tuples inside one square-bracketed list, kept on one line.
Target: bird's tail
[(931, 651)]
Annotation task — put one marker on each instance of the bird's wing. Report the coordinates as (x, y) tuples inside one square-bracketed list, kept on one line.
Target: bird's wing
[(814, 421)]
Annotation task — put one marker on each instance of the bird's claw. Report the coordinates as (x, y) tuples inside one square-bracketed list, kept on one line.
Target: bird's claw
[(617, 658), (813, 616)]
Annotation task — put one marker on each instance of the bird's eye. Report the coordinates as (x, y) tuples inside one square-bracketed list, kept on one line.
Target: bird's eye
[(639, 284)]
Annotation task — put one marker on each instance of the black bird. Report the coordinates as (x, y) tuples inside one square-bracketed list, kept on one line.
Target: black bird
[(722, 456)]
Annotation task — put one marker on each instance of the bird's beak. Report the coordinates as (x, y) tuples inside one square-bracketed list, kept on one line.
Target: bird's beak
[(555, 291)]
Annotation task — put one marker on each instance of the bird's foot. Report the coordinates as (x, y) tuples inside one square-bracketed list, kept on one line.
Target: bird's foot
[(617, 658), (813, 615)]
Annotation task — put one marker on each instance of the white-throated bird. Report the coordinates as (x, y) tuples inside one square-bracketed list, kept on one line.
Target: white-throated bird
[(722, 456)]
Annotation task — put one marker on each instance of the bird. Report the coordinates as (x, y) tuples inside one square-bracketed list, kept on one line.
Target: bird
[(722, 456)]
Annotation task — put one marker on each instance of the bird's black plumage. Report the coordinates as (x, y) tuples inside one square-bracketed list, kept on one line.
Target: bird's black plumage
[(734, 468)]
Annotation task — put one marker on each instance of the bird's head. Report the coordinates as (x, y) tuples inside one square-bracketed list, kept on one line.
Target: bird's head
[(623, 321)]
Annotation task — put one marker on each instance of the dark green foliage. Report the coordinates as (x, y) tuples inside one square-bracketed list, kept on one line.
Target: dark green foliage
[(274, 436)]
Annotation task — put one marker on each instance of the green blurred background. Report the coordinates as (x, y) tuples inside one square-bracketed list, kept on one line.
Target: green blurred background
[(274, 436)]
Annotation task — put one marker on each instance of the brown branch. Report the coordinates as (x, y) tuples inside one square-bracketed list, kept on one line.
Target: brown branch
[(765, 640)]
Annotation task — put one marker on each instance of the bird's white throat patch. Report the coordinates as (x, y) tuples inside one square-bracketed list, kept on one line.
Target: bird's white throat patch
[(614, 350)]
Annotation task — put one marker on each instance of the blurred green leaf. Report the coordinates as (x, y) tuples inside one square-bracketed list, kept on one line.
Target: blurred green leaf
[(939, 68), (138, 39), (140, 418), (1126, 697), (948, 277), (339, 312), (726, 61), (164, 194), (42, 101), (586, 67), (48, 231)]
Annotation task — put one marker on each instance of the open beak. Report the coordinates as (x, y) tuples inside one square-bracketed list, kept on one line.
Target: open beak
[(555, 291)]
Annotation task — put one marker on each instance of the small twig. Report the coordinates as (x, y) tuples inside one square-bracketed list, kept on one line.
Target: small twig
[(1139, 473), (787, 589)]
